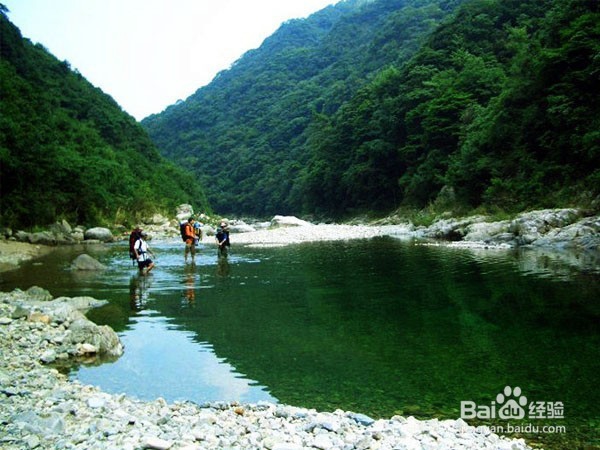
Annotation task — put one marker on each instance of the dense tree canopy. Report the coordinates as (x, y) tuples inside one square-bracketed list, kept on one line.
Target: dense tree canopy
[(368, 106), (67, 150), (364, 106), (246, 134)]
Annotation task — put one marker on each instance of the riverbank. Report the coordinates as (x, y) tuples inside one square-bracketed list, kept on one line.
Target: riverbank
[(554, 229), (557, 229), (287, 235), (41, 408), (568, 237), (13, 253)]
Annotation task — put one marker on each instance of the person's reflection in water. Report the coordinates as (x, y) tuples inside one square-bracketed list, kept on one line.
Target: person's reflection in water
[(222, 267), (190, 284), (138, 291)]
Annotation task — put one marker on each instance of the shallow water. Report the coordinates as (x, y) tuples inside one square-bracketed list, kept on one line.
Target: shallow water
[(376, 326)]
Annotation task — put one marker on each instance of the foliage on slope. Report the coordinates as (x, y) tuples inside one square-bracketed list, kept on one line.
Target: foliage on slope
[(67, 150), (369, 106), (499, 108), (245, 134)]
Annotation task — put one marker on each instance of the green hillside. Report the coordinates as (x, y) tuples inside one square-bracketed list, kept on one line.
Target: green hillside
[(246, 133), (67, 150), (371, 106)]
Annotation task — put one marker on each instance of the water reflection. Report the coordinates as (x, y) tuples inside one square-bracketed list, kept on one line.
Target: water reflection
[(553, 264), (223, 268), (138, 290), (191, 280), (163, 361)]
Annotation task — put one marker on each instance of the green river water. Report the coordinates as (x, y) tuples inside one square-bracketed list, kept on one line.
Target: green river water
[(377, 326)]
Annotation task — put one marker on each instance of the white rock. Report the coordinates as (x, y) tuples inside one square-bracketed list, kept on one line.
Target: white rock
[(96, 402), (87, 349), (49, 356), (323, 442), (288, 221), (157, 443), (287, 446)]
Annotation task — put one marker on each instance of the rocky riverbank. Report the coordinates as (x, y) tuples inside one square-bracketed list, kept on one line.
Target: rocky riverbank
[(556, 229), (550, 228), (570, 236), (40, 408)]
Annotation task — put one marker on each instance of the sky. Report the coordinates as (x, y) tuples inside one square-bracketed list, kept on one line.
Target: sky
[(148, 54)]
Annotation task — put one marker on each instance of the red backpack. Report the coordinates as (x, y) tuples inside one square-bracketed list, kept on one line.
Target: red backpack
[(133, 237)]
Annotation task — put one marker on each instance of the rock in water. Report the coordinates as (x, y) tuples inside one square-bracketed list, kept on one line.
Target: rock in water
[(86, 262), (98, 233)]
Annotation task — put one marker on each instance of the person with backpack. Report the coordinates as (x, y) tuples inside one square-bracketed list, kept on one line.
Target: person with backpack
[(133, 237), (222, 237), (189, 237), (141, 250), (198, 231)]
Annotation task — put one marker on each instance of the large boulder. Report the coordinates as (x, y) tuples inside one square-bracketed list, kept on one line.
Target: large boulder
[(99, 234), (452, 229), (86, 262), (61, 228), (156, 219), (288, 221), (488, 231), (103, 338), (584, 234), (531, 226), (38, 294), (184, 212)]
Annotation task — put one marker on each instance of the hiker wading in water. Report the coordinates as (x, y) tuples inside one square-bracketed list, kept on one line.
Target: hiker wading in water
[(222, 238), (190, 239), (141, 250)]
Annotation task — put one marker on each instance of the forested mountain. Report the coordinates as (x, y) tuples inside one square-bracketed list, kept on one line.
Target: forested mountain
[(245, 134), (371, 105), (67, 150)]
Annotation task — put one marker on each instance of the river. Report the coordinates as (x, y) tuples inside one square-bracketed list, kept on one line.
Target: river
[(378, 326)]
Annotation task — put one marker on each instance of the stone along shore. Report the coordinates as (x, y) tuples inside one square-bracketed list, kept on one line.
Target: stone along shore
[(40, 408)]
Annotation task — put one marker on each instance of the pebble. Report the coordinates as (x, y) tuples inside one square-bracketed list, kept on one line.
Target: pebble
[(41, 408)]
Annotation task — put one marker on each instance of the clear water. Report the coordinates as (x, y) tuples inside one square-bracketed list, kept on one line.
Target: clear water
[(377, 326)]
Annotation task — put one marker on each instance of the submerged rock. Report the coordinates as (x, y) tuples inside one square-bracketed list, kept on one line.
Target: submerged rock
[(86, 262)]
